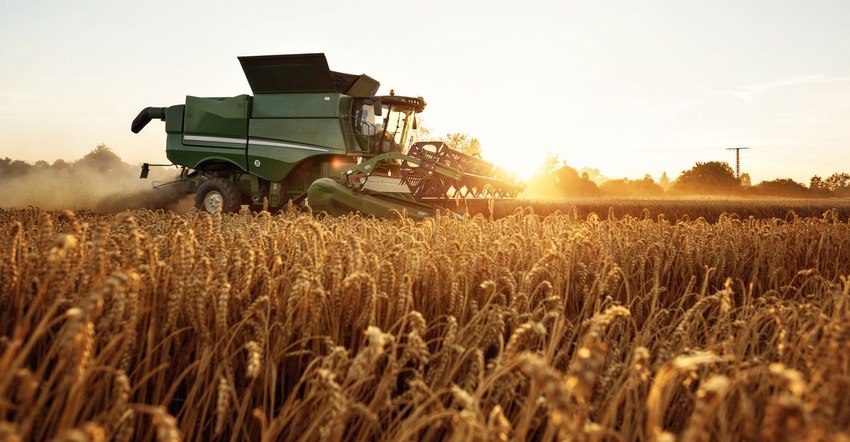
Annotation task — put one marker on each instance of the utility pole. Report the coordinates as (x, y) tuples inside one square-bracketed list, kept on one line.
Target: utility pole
[(737, 161)]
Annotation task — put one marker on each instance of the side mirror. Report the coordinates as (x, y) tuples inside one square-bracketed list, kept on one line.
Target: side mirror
[(379, 110), (414, 127)]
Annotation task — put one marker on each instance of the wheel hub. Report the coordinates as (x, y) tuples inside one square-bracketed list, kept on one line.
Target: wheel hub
[(213, 201)]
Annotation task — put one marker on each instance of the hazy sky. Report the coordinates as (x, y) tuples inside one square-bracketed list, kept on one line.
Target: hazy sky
[(627, 87)]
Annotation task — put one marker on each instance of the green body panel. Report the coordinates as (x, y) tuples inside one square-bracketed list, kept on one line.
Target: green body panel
[(193, 156), (301, 105), (286, 129), (211, 130), (299, 180), (174, 119), (274, 163), (296, 183), (277, 145), (217, 118), (326, 135)]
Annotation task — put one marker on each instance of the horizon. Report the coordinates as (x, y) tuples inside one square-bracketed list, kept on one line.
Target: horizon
[(594, 175)]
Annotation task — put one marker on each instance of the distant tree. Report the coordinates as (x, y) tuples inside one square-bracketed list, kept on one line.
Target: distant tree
[(711, 178), (745, 180), (457, 141), (423, 133), (10, 168), (838, 184), (817, 187), (624, 187), (784, 187), (594, 175), (837, 181), (649, 187), (664, 181), (463, 143), (568, 182), (615, 187), (542, 183), (101, 159), (551, 162)]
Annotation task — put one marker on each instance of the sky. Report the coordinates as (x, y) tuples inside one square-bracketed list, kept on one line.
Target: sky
[(626, 87)]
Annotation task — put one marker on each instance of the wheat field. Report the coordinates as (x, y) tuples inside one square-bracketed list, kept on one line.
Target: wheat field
[(291, 327)]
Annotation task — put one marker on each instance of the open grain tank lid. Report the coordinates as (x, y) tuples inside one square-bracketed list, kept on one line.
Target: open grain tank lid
[(271, 74)]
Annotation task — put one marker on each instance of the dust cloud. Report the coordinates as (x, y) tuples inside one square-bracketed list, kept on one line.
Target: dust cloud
[(100, 181)]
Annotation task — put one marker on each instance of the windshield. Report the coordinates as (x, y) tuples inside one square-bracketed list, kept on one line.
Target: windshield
[(385, 132)]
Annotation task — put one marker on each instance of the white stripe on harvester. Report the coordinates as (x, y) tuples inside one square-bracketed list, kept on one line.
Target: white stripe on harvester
[(241, 141), (287, 145)]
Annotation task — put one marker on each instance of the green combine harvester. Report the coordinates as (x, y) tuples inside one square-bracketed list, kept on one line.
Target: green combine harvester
[(313, 136)]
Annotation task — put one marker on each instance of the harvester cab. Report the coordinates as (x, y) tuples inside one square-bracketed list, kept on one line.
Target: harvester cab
[(314, 136)]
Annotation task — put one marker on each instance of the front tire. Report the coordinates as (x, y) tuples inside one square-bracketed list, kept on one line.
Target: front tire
[(218, 194)]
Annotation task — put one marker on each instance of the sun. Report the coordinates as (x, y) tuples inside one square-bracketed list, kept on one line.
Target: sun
[(507, 150), (525, 164)]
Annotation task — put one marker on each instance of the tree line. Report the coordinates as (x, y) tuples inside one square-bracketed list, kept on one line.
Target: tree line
[(100, 160), (713, 178)]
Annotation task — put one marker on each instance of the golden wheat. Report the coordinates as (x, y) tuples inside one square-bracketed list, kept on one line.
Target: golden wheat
[(148, 325)]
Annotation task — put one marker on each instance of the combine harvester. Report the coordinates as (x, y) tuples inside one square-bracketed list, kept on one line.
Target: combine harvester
[(318, 137)]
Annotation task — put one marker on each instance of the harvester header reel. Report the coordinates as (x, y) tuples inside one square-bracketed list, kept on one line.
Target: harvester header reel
[(477, 178)]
